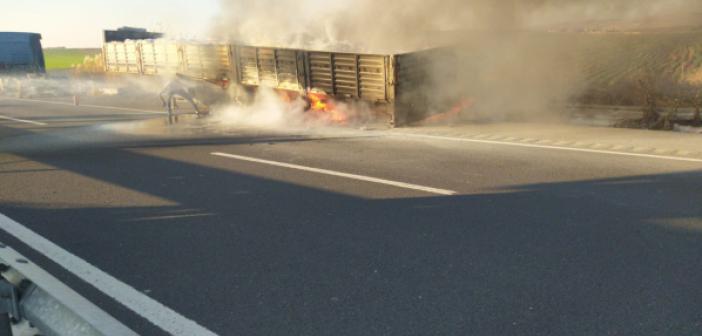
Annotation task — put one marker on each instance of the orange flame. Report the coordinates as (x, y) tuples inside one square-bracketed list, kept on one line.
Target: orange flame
[(454, 113), (323, 107)]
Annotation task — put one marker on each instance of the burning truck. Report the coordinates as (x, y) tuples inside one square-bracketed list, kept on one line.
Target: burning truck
[(397, 87)]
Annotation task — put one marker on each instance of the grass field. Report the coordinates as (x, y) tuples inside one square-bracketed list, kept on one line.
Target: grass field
[(65, 58)]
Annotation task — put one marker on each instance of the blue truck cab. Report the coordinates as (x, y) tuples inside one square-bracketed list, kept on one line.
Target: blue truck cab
[(21, 53)]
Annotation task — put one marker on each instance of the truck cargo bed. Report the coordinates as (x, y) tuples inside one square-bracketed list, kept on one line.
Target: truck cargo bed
[(394, 85)]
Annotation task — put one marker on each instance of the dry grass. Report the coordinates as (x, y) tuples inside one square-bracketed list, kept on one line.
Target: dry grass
[(613, 64)]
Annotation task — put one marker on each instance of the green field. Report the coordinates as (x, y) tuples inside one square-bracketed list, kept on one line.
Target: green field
[(65, 58)]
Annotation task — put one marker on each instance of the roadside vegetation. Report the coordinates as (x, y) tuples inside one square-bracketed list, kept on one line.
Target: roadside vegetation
[(618, 67), (659, 72)]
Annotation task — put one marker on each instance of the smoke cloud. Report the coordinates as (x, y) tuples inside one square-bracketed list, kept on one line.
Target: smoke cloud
[(397, 25), (504, 58)]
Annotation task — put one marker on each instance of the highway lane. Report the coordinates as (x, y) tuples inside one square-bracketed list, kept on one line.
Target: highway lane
[(536, 241), (41, 114)]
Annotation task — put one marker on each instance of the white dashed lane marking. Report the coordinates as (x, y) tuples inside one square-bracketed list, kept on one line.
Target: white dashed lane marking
[(396, 184)]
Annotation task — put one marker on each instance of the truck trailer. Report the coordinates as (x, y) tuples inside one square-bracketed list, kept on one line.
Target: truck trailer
[(396, 86), (21, 53)]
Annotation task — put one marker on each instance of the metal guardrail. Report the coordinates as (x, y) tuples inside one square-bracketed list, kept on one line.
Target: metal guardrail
[(28, 292)]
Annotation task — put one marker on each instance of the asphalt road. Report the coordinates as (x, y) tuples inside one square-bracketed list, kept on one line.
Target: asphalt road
[(274, 239)]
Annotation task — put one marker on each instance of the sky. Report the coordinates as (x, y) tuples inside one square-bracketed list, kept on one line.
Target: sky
[(79, 23)]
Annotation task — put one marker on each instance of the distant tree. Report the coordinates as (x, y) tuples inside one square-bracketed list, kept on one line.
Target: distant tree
[(648, 90), (696, 102)]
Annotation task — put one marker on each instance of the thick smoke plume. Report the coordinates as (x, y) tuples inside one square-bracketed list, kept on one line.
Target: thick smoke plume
[(396, 25), (505, 60)]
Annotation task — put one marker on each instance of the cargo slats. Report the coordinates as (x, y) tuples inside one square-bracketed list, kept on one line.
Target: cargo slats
[(131, 57), (349, 75), (276, 68), (206, 61), (248, 66), (345, 75), (320, 71), (372, 77), (123, 57), (267, 69), (160, 57), (287, 70)]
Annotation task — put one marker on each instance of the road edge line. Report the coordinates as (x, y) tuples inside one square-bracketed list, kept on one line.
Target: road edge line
[(572, 149), (108, 107), (78, 306), (4, 117)]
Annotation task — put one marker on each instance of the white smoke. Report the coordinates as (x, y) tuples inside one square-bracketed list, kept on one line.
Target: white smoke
[(267, 110), (399, 25)]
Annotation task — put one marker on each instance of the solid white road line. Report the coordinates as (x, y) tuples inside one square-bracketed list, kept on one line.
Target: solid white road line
[(572, 149), (98, 320), (339, 174), (141, 111), (150, 309), (23, 120)]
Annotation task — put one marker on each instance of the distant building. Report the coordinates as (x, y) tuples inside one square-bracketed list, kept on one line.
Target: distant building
[(21, 52), (129, 33)]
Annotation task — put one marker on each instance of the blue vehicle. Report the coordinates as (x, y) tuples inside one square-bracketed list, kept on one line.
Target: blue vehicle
[(21, 53)]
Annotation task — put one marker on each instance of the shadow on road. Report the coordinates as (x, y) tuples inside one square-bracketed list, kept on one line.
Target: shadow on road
[(603, 257)]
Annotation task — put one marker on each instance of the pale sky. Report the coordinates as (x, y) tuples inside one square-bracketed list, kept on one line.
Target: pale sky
[(79, 23)]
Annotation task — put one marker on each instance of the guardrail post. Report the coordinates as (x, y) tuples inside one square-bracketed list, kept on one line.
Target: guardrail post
[(5, 325), (19, 89), (8, 306), (29, 293)]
